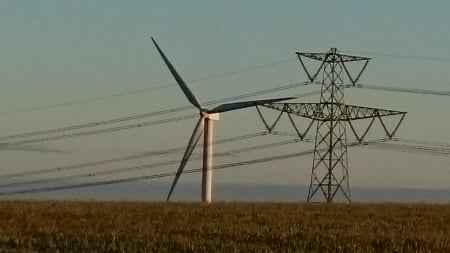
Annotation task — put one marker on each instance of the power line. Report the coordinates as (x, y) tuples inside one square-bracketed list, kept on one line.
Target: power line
[(93, 124), (153, 165), (413, 148), (166, 151), (118, 159), (390, 146), (154, 176), (430, 147), (134, 117), (100, 131), (376, 144), (113, 129), (211, 77), (151, 114), (168, 174), (408, 90), (433, 143), (440, 148), (415, 57), (127, 93), (443, 149)]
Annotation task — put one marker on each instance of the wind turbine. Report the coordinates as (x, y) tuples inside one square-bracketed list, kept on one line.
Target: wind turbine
[(205, 126)]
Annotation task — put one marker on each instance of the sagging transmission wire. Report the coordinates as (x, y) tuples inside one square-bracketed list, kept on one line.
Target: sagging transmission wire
[(127, 93), (169, 174), (210, 77), (395, 89), (407, 90), (413, 148), (415, 57), (432, 143), (442, 149), (119, 159), (99, 131), (151, 114), (394, 146), (119, 128), (148, 166)]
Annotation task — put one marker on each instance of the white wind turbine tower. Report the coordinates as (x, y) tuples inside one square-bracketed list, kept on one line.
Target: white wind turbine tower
[(205, 126)]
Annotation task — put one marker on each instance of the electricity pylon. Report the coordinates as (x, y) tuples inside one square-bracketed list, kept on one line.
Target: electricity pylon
[(329, 174)]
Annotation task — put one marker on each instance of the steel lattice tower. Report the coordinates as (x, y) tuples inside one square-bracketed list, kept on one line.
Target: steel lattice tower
[(330, 167), (329, 174)]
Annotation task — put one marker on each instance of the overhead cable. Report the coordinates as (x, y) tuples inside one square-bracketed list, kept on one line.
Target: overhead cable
[(408, 90), (412, 148), (162, 86), (153, 165), (154, 176), (113, 129), (118, 159), (151, 114), (415, 57), (168, 174)]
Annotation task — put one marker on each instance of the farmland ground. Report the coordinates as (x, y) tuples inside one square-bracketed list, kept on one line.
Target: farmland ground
[(72, 226)]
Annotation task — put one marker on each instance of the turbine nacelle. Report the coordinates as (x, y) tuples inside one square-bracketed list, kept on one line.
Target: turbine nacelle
[(214, 116)]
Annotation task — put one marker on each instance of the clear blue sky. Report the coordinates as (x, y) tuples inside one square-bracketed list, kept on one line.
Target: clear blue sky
[(54, 52)]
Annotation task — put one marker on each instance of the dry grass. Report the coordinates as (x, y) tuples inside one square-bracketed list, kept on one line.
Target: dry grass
[(66, 226)]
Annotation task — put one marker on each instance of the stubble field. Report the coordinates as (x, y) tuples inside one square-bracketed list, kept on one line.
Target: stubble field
[(72, 226)]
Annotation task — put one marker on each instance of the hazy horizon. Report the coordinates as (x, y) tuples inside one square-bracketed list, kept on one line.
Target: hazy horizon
[(156, 191)]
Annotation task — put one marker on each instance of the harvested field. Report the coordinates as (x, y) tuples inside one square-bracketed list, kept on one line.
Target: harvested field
[(71, 226)]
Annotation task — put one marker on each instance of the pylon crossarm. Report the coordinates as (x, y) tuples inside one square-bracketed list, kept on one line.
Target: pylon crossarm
[(325, 57), (354, 132), (354, 112), (398, 125), (289, 134), (305, 69), (271, 127), (360, 73), (300, 109), (301, 135), (262, 118), (315, 111), (350, 58), (361, 139), (318, 71), (315, 56), (367, 129), (391, 134), (276, 120), (385, 128), (348, 73)]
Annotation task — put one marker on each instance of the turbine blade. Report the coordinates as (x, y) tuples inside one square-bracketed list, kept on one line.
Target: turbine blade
[(198, 130), (240, 105), (187, 92)]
